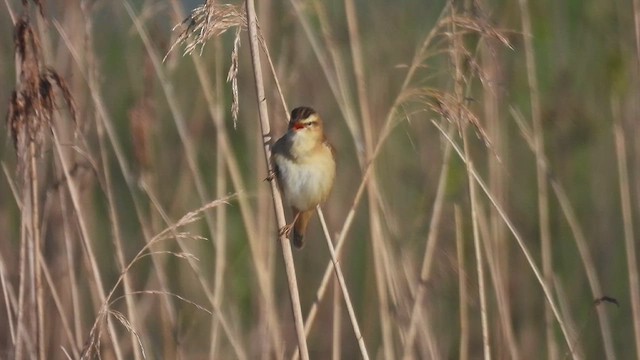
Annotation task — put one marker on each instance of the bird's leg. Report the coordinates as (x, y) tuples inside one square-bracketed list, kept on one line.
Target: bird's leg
[(271, 176), (286, 230)]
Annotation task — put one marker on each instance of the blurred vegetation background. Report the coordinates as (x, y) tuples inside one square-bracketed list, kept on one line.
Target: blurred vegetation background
[(155, 140)]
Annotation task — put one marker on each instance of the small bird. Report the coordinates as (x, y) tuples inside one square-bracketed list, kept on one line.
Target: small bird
[(304, 165)]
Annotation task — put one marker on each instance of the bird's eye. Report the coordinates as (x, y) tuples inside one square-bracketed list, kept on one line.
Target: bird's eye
[(311, 123)]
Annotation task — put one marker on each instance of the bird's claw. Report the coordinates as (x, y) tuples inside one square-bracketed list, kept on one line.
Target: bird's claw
[(285, 230), (271, 176)]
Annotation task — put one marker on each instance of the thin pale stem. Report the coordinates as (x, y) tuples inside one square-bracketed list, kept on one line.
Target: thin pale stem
[(181, 126), (542, 183), (343, 288), (336, 331), (580, 239), (372, 190), (462, 123), (519, 240), (221, 212), (629, 237), (105, 118), (86, 241), (462, 286), (36, 242), (117, 242), (277, 199), (388, 125), (60, 307), (429, 251)]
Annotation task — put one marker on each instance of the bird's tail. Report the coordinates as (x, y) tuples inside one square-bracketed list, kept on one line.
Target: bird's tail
[(300, 227)]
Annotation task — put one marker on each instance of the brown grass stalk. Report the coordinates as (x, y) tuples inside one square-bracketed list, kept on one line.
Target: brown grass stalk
[(190, 155), (73, 280), (103, 116), (7, 290), (381, 266), (336, 325), (388, 125), (491, 64), (237, 181), (543, 185), (66, 327), (221, 213), (343, 288), (9, 300), (462, 122), (36, 240), (336, 83), (172, 228), (498, 286), (277, 199), (627, 222), (519, 240), (565, 308), (117, 242), (171, 231), (462, 286), (334, 261), (636, 20), (429, 251), (579, 237), (85, 238)]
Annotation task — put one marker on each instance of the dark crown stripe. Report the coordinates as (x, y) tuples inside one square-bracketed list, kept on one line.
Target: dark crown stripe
[(302, 112)]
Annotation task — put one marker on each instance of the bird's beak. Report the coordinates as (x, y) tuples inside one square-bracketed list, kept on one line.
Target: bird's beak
[(298, 126)]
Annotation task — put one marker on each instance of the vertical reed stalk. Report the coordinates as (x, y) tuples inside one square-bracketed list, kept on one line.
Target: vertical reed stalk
[(372, 190), (457, 52), (543, 185), (581, 243), (498, 181), (86, 241), (462, 286), (221, 212), (277, 199), (117, 242), (36, 242), (519, 240), (429, 252), (629, 236), (336, 330), (418, 57)]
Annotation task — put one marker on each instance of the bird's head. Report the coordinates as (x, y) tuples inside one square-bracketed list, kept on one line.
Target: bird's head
[(306, 123)]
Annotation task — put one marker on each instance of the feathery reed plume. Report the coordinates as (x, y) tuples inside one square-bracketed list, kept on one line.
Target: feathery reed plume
[(92, 344), (30, 111), (211, 20), (206, 21)]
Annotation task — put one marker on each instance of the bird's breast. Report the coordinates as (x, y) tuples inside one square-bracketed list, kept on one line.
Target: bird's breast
[(306, 180)]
